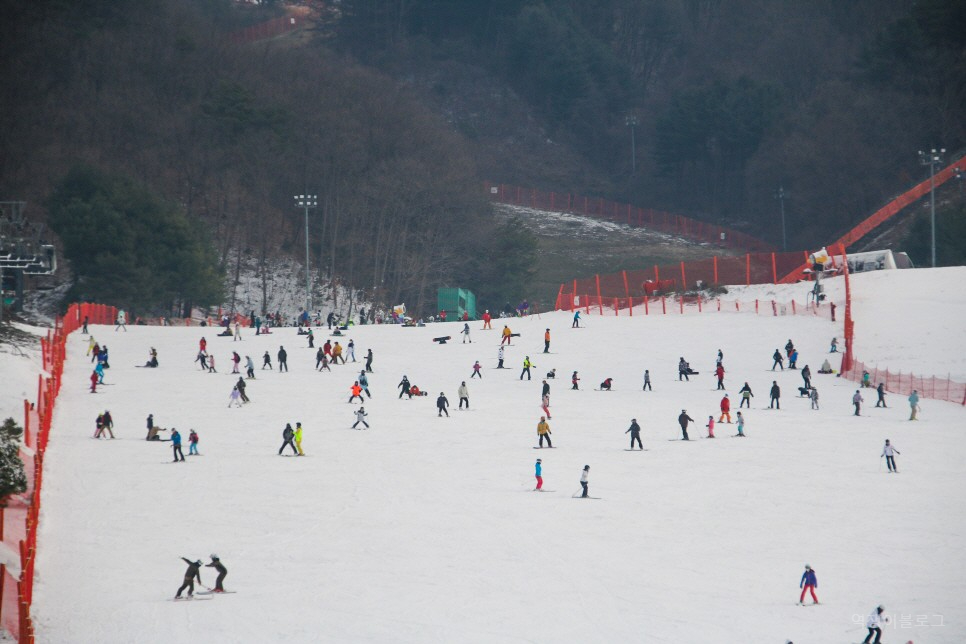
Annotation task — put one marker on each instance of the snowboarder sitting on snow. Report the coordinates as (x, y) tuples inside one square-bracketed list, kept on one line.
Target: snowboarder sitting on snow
[(193, 572), (416, 391), (605, 386), (826, 367), (226, 333), (222, 573), (552, 374), (153, 360)]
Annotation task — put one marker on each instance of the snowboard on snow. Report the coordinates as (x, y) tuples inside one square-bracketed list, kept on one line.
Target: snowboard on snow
[(442, 339)]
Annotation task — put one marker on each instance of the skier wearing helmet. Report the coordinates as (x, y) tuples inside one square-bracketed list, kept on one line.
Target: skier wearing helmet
[(193, 572)]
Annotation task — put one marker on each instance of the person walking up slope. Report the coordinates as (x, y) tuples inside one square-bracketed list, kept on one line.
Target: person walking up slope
[(808, 584), (888, 451), (635, 432)]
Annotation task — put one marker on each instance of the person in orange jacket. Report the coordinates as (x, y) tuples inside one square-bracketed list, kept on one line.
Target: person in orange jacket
[(356, 390), (546, 341), (725, 409)]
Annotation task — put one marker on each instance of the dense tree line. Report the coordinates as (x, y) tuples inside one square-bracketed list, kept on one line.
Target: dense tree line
[(172, 123), (830, 100)]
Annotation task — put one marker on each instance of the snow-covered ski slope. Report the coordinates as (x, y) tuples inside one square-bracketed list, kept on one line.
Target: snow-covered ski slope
[(426, 529)]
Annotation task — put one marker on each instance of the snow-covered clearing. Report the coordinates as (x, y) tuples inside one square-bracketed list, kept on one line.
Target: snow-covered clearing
[(426, 529)]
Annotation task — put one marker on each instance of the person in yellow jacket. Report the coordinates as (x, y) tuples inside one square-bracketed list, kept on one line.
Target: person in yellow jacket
[(543, 431), (90, 345), (298, 439), (526, 368), (337, 354), (507, 334)]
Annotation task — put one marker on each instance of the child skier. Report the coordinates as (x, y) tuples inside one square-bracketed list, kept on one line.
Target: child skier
[(741, 425), (356, 390), (441, 404), (192, 443), (499, 357), (888, 451), (710, 427), (545, 405), (476, 370), (222, 573), (808, 584), (466, 333), (813, 395), (538, 473), (234, 397), (360, 418), (266, 361)]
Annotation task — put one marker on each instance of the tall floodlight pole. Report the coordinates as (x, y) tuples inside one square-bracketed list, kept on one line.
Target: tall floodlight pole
[(932, 159), (305, 202), (631, 122), (780, 194)]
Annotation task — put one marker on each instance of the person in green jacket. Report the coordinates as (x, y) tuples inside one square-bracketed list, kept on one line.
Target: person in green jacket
[(298, 439)]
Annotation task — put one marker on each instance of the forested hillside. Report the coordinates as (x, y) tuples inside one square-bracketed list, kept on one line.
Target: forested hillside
[(830, 100), (395, 111)]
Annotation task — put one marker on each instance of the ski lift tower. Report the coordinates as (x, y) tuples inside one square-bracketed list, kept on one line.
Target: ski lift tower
[(22, 252)]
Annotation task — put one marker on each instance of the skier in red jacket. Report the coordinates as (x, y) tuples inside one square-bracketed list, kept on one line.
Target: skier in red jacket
[(720, 373), (725, 409)]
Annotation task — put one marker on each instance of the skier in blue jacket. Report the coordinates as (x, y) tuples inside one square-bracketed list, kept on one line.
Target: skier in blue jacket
[(538, 473), (176, 445), (808, 584)]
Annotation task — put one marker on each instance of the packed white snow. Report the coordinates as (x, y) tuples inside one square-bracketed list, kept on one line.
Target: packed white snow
[(427, 529)]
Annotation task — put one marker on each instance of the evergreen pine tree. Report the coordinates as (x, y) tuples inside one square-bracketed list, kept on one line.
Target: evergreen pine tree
[(12, 477)]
